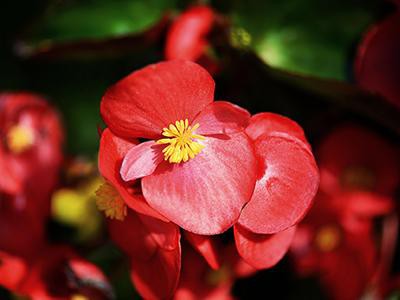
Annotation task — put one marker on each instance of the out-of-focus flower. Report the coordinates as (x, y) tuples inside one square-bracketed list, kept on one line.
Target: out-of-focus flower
[(30, 158), (377, 65), (187, 38), (30, 149), (56, 273), (336, 241), (343, 261)]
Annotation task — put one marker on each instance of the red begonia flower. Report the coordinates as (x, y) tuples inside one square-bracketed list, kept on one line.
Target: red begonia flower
[(377, 65), (344, 260), (200, 170), (153, 247), (288, 175), (352, 158), (187, 37), (30, 152)]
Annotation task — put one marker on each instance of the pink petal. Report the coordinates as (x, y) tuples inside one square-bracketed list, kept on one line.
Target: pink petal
[(205, 194), (141, 160), (266, 123), (205, 246), (262, 251), (143, 103), (222, 117), (285, 191)]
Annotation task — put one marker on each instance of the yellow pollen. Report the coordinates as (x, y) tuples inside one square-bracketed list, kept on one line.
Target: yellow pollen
[(19, 138), (182, 142), (109, 201), (328, 238)]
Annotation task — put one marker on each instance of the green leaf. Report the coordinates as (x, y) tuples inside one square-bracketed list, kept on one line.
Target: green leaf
[(311, 37), (99, 19)]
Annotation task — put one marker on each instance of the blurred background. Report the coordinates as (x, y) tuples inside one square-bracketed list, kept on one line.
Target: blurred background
[(316, 62)]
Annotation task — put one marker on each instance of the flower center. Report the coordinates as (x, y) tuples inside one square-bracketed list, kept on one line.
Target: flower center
[(19, 138), (109, 201), (182, 142), (328, 238)]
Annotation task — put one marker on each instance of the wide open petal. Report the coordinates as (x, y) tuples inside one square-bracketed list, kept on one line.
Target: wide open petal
[(262, 251), (266, 123), (111, 153), (206, 247), (285, 191), (205, 194), (148, 100), (141, 160), (222, 117), (157, 277)]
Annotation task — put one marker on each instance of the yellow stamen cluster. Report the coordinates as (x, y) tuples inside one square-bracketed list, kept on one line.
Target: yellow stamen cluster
[(79, 297), (109, 201), (182, 142), (328, 238), (20, 138)]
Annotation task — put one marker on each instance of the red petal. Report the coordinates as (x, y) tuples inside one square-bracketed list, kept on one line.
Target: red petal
[(266, 123), (187, 37), (262, 251), (205, 194), (111, 153), (141, 160), (222, 117), (377, 65), (206, 246), (157, 277), (141, 236), (285, 191), (148, 100)]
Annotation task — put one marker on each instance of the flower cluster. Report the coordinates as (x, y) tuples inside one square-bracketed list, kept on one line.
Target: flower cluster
[(173, 158)]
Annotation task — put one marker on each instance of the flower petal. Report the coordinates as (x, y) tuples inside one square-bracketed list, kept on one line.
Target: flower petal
[(111, 153), (141, 236), (205, 194), (186, 39), (262, 251), (158, 277), (377, 64), (222, 117), (148, 100), (141, 160), (285, 191), (266, 123), (205, 246)]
